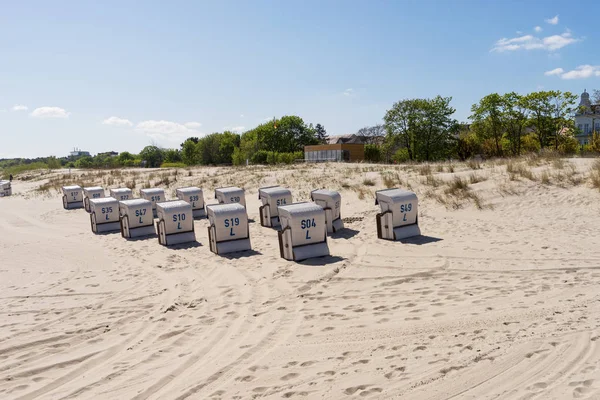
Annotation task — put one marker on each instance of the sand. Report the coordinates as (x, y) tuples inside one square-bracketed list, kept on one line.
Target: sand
[(494, 303)]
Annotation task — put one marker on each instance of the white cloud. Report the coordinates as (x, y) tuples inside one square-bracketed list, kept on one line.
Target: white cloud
[(348, 92), (19, 107), (582, 72), (237, 129), (50, 112), (116, 121), (530, 42), (166, 132), (163, 127), (538, 29), (241, 115), (192, 125), (553, 20), (555, 71), (267, 119)]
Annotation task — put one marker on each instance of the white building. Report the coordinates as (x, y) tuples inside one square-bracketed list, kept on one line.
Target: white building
[(79, 153), (587, 119)]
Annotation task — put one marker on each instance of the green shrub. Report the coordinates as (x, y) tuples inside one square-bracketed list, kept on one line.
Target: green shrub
[(173, 165), (237, 158), (368, 182), (260, 157), (529, 144), (400, 156), (53, 163), (20, 168), (84, 162), (372, 153), (570, 145), (272, 157)]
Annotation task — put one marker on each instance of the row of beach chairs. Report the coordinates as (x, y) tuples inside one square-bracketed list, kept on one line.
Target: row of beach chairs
[(302, 227)]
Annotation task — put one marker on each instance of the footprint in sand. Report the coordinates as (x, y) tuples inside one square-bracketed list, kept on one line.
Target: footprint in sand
[(247, 378), (351, 390), (307, 363), (287, 377), (370, 392)]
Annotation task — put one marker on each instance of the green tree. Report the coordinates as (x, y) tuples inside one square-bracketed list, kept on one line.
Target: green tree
[(125, 157), (436, 128), (152, 155), (562, 123), (228, 142), (248, 145), (321, 134), (208, 149), (425, 127), (189, 151), (550, 115), (84, 162), (488, 118), (517, 118), (401, 126), (172, 156), (467, 144)]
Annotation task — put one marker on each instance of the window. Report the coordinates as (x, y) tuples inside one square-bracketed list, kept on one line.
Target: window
[(580, 127), (586, 128), (597, 126)]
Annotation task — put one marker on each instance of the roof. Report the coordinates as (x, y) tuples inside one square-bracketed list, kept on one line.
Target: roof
[(120, 190), (174, 205), (301, 209), (343, 139), (103, 200), (321, 193), (273, 191), (394, 195), (152, 190), (93, 188), (190, 189), (72, 187), (136, 203), (220, 209), (229, 189)]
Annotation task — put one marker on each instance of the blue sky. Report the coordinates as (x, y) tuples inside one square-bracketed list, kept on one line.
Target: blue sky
[(118, 75)]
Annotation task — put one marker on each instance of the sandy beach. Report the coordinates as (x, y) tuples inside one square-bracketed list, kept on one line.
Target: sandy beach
[(498, 299)]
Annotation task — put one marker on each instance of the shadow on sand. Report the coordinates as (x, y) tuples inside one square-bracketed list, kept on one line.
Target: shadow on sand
[(241, 254), (185, 246), (420, 240), (142, 238), (345, 233), (321, 261)]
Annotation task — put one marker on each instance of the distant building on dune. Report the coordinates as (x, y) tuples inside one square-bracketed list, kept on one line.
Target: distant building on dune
[(109, 154), (587, 119), (78, 153)]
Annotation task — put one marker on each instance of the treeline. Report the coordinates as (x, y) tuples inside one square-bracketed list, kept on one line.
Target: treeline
[(500, 125), (413, 130), (273, 142)]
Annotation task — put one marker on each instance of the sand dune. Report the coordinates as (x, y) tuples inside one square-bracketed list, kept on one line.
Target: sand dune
[(497, 300)]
